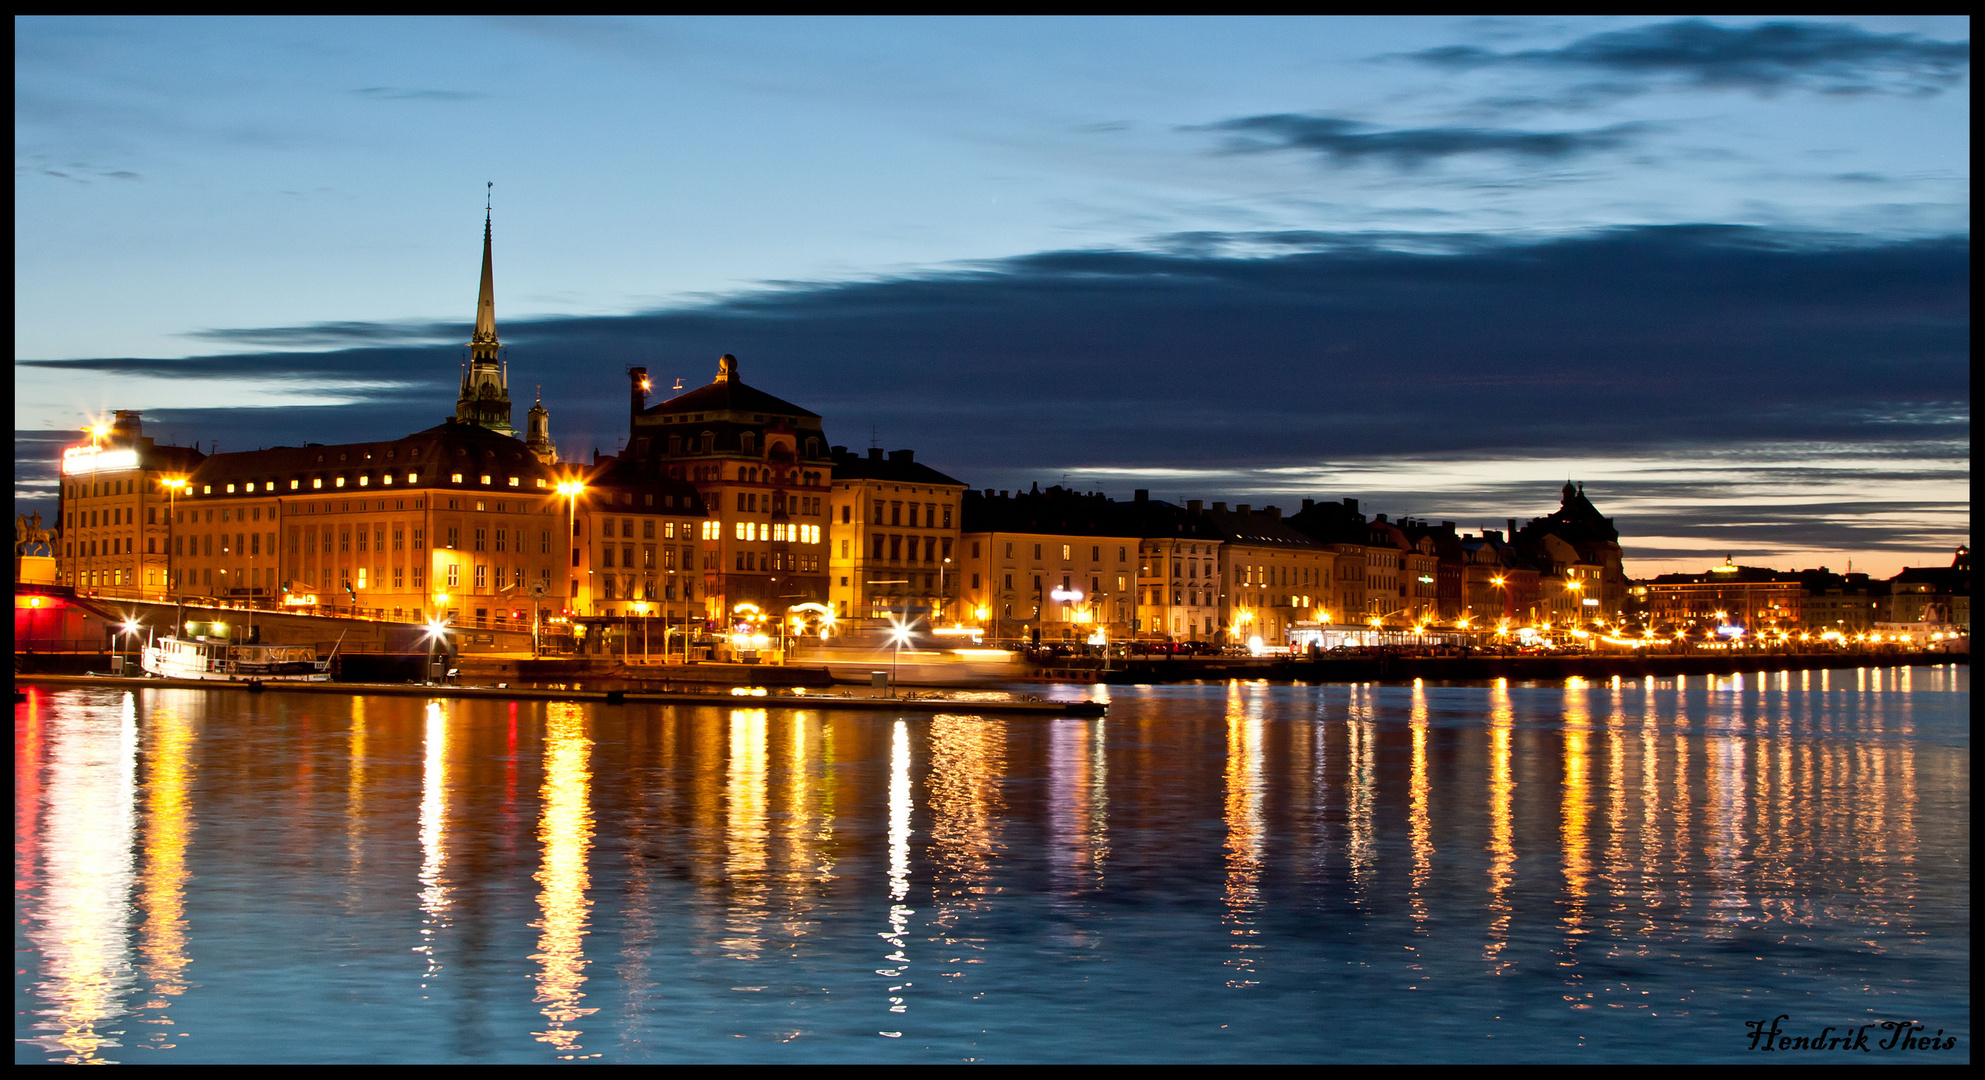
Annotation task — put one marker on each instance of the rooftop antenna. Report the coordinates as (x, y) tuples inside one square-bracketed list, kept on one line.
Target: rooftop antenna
[(678, 384), (874, 437)]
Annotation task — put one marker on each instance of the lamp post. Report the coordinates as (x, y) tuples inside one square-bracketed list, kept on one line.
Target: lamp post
[(173, 486)]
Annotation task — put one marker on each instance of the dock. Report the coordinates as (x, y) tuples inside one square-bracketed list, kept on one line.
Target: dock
[(756, 697)]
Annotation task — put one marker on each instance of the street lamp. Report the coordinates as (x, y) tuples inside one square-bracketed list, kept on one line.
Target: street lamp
[(572, 489), (173, 485), (437, 631)]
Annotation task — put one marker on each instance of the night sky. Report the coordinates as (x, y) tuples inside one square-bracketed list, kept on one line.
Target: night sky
[(1717, 271)]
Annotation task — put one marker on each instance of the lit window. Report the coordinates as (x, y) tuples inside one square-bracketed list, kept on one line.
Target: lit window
[(455, 478), (249, 486), (386, 479), (206, 489), (294, 484), (339, 482), (361, 577), (413, 478), (364, 480), (541, 482), (485, 478), (513, 481), (743, 531), (230, 489), (317, 482)]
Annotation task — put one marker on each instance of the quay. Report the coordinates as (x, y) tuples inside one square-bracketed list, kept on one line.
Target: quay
[(756, 697), (1477, 668)]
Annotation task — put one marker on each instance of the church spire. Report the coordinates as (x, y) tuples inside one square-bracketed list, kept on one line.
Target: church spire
[(485, 398), (485, 337)]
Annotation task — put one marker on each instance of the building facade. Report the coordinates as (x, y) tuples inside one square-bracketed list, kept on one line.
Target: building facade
[(1274, 575), (761, 467), (893, 538), (1048, 566), (1178, 583), (114, 510)]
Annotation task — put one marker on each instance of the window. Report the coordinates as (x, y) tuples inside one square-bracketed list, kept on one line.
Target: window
[(896, 513), (1065, 549), (627, 527), (947, 516), (399, 578), (544, 542), (844, 549), (482, 576), (454, 575), (344, 540), (499, 539), (648, 529), (419, 540), (844, 514)]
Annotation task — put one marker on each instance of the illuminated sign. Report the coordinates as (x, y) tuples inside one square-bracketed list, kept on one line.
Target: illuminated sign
[(83, 459), (1589, 602), (300, 600), (1064, 594)]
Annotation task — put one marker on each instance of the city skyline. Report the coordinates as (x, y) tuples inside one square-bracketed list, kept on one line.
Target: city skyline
[(1550, 249)]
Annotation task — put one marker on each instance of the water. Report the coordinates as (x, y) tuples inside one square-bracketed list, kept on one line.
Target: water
[(1242, 871)]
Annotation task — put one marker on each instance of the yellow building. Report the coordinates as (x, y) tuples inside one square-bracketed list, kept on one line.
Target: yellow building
[(113, 516), (457, 521), (1274, 575), (642, 542), (893, 538), (1178, 571), (1048, 566)]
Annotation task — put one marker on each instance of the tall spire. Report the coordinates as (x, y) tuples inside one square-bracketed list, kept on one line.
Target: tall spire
[(486, 299), (485, 397)]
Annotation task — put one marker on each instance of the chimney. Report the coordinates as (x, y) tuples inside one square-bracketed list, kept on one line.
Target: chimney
[(1308, 505), (1495, 535), (1243, 508), (125, 427), (1351, 505), (1002, 494), (1194, 506), (1220, 506), (1512, 528), (1273, 511), (902, 457), (1141, 495), (637, 390), (875, 453)]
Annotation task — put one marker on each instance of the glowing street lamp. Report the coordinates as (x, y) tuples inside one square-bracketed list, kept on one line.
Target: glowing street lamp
[(571, 489)]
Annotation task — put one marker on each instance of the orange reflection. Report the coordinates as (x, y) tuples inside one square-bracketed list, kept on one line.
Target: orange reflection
[(565, 832), (1362, 733), (1502, 846), (1077, 808), (1573, 826), (355, 795), (1420, 828), (746, 834), (1244, 828), (82, 920), (968, 757), (162, 889)]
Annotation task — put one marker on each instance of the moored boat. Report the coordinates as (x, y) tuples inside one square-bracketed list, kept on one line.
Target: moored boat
[(182, 658)]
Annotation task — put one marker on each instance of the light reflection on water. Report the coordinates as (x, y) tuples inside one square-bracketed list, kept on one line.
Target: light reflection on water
[(1624, 869)]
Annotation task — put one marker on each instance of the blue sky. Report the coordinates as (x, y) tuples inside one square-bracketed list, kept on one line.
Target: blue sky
[(1718, 270)]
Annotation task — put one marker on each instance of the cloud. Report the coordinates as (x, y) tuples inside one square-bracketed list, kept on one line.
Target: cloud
[(1834, 58), (396, 93), (1346, 142), (331, 334), (1221, 358)]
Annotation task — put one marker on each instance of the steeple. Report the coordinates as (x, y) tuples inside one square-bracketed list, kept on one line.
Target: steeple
[(485, 397), (484, 341)]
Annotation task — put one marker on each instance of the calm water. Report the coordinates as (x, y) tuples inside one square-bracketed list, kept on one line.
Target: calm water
[(1248, 871)]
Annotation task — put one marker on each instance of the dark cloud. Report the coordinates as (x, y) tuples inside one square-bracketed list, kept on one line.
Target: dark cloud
[(1681, 343), (326, 335), (1830, 57), (1347, 142)]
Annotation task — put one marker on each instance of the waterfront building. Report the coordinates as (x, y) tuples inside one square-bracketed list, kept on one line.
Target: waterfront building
[(1275, 575), (1753, 598), (1933, 594), (112, 521), (1595, 538), (1178, 585), (892, 538), (458, 522), (761, 467), (1342, 530), (1449, 566), (642, 543), (1845, 604), (1054, 565)]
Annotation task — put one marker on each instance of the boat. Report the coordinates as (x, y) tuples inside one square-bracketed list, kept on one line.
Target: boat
[(200, 658)]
